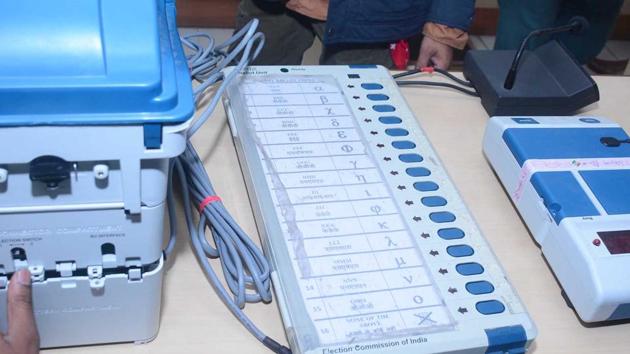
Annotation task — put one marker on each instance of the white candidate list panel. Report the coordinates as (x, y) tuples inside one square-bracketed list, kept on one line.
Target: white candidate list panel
[(357, 265)]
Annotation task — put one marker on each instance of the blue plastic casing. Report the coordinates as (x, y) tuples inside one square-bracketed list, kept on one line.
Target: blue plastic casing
[(560, 191), (92, 62)]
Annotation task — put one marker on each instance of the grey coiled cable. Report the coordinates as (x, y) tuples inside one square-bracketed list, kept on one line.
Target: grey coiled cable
[(246, 271)]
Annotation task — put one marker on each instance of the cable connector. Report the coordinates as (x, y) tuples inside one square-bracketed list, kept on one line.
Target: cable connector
[(427, 69), (275, 346)]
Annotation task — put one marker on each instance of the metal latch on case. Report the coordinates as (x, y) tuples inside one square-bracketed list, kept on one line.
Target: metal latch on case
[(134, 274), (134, 268)]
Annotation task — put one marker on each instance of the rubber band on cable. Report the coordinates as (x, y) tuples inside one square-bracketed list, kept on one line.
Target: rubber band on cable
[(209, 199)]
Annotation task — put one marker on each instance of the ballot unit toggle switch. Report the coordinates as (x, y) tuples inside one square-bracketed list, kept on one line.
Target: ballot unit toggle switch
[(19, 258)]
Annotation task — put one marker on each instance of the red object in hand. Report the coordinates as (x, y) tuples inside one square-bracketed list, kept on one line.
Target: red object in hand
[(400, 54)]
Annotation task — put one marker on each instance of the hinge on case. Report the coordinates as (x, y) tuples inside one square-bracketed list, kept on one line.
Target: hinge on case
[(66, 269)]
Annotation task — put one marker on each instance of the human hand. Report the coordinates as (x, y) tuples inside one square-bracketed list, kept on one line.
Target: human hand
[(434, 52), (317, 9), (22, 336)]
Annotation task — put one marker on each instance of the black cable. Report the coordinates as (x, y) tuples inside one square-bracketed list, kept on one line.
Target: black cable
[(406, 73), (438, 70), (438, 84), (453, 77)]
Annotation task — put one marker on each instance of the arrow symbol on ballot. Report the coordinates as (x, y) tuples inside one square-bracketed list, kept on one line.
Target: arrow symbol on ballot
[(393, 173), (387, 158), (417, 218), (373, 132), (408, 202), (435, 253), (442, 271), (367, 120), (401, 187), (380, 145), (462, 310), (425, 235), (452, 290)]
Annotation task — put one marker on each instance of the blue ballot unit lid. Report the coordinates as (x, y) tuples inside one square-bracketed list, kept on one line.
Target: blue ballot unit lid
[(92, 62)]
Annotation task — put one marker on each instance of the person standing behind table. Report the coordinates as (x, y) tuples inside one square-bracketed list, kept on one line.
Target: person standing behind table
[(358, 31), (517, 18)]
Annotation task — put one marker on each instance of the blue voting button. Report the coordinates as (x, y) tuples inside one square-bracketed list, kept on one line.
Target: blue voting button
[(396, 132), (451, 233), (403, 144), (433, 201), (384, 108), (442, 217), (460, 250), (490, 307), (377, 97), (418, 172), (389, 120), (409, 158), (372, 86), (468, 269), (479, 287), (425, 186)]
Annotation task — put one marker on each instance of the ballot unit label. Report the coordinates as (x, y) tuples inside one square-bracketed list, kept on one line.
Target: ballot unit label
[(360, 272)]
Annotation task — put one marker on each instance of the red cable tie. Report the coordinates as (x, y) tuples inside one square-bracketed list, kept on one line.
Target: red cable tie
[(210, 199), (427, 69)]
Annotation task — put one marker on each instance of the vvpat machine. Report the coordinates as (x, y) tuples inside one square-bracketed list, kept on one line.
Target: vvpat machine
[(95, 98), (569, 179)]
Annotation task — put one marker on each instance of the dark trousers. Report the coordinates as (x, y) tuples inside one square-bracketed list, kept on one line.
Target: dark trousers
[(519, 17), (288, 35)]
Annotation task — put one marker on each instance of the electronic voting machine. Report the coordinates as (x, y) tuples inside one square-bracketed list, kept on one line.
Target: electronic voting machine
[(372, 247), (87, 129), (569, 178)]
